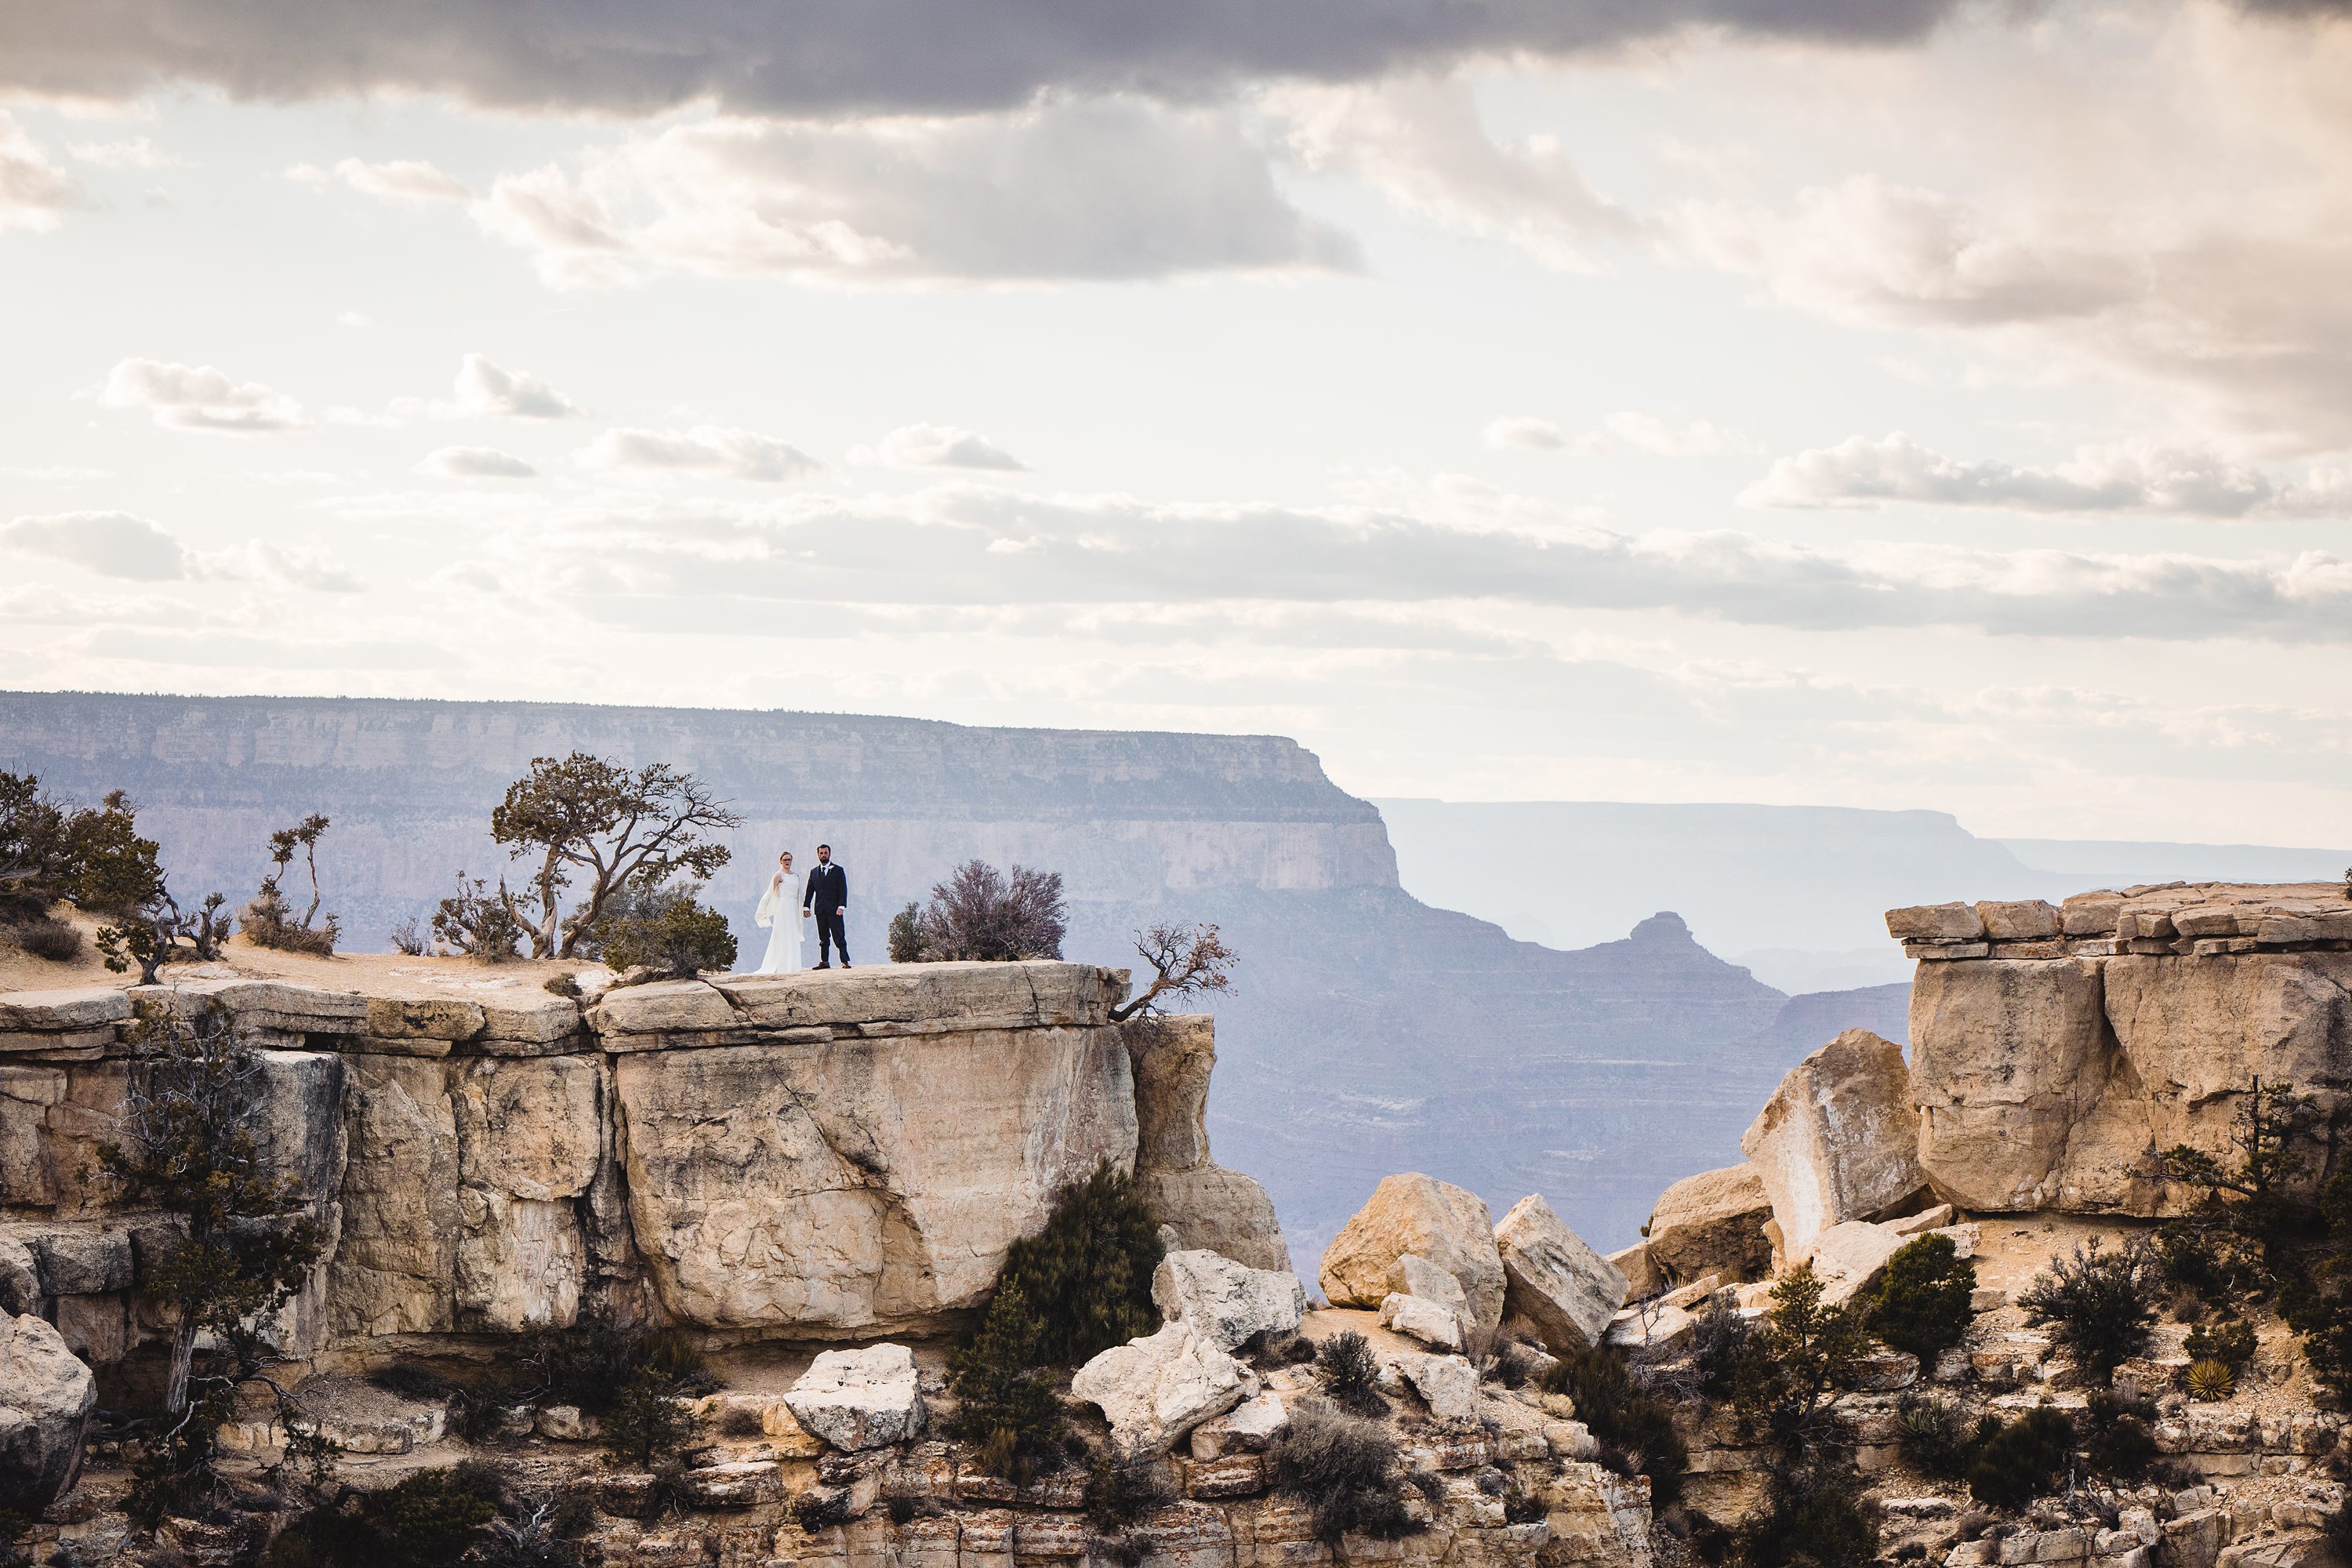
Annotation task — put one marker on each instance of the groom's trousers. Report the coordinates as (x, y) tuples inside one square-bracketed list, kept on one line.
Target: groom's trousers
[(831, 932)]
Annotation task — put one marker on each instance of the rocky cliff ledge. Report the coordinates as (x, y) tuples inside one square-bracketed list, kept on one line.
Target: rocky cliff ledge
[(821, 1155), (2053, 1048)]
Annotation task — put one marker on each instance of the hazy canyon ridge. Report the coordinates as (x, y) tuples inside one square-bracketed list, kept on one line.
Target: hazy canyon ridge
[(1370, 1031)]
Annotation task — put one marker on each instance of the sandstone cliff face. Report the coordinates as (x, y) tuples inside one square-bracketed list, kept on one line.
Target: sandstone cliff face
[(820, 1156), (2055, 1050)]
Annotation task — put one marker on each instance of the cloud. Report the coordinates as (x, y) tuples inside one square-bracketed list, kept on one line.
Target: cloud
[(476, 463), (408, 181), (2143, 478), (135, 549), (1419, 139), (1116, 188), (111, 543), (815, 57), (965, 545), (705, 449), (34, 194), (138, 153), (486, 391), (1621, 432), (936, 446), (200, 398)]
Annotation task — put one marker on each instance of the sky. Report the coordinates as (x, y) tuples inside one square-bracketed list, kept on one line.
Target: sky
[(1877, 402)]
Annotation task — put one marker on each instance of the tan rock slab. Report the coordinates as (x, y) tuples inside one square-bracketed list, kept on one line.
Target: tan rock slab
[(1417, 1214), (1712, 1223), (1838, 1139), (1553, 1278), (1934, 923), (50, 1012)]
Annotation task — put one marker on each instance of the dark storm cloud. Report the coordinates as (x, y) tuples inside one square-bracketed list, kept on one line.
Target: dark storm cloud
[(795, 56)]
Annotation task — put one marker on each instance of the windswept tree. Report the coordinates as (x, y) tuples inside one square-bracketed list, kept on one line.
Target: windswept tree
[(1185, 961), (119, 873), (189, 1144), (34, 862), (595, 827), (268, 920)]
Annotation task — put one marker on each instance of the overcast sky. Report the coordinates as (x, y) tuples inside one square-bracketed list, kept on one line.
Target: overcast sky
[(1886, 403)]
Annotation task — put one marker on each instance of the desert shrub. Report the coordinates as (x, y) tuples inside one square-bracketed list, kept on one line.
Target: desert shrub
[(1350, 1373), (44, 938), (2209, 1381), (2098, 1305), (476, 923), (2117, 1442), (1814, 1515), (269, 920), (666, 931), (589, 1365), (407, 939), (740, 1421), (563, 982), (411, 1381), (1119, 1495), (1079, 1287), (1721, 1344), (540, 1533), (646, 1422), (2252, 1213), (906, 936), (2017, 1462), (1345, 1469), (1517, 1363), (1922, 1303), (431, 1520), (1933, 1434), (2231, 1344), (1636, 1430), (980, 913)]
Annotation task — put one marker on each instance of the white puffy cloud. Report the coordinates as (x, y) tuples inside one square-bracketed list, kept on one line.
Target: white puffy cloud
[(407, 182), (936, 446), (111, 543), (135, 549), (1625, 431), (2135, 477), (704, 449), (34, 194), (199, 398), (488, 391), (1105, 188), (476, 463)]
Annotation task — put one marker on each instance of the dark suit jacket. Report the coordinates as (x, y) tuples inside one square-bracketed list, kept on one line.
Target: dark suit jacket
[(828, 889)]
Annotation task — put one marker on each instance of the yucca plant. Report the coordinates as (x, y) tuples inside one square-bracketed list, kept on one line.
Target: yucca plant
[(2209, 1380)]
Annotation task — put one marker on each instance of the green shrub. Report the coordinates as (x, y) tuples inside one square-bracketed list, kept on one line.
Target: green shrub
[(665, 932), (906, 939), (1722, 1345), (2231, 1344), (2098, 1306), (1933, 1434), (1119, 1495), (431, 1520), (44, 938), (821, 1507), (1922, 1303), (1350, 1373), (647, 1423), (1345, 1469), (1814, 1516), (1636, 1430), (2117, 1442), (588, 1365), (2014, 1464)]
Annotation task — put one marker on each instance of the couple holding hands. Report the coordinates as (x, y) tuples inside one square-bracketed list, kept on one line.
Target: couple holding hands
[(826, 895)]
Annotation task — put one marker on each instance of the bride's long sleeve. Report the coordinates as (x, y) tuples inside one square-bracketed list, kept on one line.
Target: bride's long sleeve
[(765, 915)]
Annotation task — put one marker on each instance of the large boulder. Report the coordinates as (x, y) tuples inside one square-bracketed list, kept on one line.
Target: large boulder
[(1850, 1257), (1446, 1383), (1153, 1391), (1228, 1303), (1839, 1139), (1712, 1223), (1553, 1279), (46, 1397), (1417, 1214), (1221, 1210), (1434, 1324), (859, 1399)]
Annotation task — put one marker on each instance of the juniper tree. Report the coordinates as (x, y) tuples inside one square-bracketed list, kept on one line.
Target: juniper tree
[(1185, 961)]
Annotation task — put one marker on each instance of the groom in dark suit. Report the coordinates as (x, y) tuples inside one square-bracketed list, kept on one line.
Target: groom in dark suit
[(828, 898)]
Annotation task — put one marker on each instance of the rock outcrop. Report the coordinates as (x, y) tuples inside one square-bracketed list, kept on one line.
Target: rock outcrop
[(1228, 1303), (1430, 1219), (1712, 1223), (830, 1155), (1838, 1139), (1553, 1280), (859, 1399), (2053, 1049), (1155, 1390), (46, 1398)]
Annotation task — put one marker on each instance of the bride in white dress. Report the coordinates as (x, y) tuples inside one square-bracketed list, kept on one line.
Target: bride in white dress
[(780, 915)]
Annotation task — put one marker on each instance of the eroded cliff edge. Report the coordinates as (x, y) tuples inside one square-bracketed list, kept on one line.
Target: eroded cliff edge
[(823, 1156)]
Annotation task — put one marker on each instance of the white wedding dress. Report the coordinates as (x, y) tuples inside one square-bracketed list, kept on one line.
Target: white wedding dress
[(780, 915)]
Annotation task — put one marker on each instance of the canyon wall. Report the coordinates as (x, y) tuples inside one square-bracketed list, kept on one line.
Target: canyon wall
[(822, 1155), (2057, 1049)]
